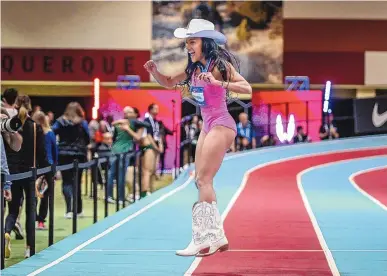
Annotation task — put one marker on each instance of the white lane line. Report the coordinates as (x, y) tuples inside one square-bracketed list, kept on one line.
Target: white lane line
[(235, 250), (367, 195)]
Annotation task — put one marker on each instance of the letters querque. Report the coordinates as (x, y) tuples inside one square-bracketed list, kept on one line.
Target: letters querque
[(72, 64), (198, 95)]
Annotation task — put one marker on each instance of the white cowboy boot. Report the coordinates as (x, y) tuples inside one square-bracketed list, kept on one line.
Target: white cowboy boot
[(217, 237), (201, 215)]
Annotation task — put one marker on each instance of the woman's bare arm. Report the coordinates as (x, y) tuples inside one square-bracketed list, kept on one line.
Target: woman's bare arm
[(120, 121), (235, 83), (167, 81)]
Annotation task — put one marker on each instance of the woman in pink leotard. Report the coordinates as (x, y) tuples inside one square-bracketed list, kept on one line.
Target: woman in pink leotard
[(209, 74)]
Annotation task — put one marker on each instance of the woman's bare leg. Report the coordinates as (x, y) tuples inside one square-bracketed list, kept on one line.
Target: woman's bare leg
[(215, 146), (199, 146), (148, 161)]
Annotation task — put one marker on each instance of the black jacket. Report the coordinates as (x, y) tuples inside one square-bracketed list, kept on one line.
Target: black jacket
[(73, 138), (23, 160)]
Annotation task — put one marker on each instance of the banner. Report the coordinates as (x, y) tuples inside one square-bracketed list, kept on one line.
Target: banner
[(254, 31), (370, 115), (282, 112), (169, 101), (72, 64)]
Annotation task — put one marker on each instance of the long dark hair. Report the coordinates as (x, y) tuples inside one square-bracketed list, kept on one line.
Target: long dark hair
[(220, 58)]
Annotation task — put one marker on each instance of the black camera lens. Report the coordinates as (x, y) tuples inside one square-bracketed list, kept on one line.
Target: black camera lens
[(10, 125)]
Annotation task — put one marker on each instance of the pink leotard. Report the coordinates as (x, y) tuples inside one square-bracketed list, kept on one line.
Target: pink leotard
[(212, 102)]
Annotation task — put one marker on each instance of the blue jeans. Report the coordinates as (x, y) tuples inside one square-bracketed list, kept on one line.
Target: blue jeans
[(124, 164)]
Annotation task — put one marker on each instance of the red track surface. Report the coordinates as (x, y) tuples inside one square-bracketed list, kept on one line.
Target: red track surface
[(270, 215), (374, 183)]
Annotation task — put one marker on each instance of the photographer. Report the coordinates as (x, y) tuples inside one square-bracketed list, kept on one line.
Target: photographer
[(9, 131), (30, 154), (14, 140), (8, 101), (10, 124)]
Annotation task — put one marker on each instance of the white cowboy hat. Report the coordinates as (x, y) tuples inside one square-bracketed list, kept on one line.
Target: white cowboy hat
[(200, 28)]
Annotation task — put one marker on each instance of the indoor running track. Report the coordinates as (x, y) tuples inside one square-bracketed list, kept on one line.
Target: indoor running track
[(304, 209)]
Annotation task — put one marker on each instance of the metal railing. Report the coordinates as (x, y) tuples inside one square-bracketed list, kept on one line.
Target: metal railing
[(51, 171)]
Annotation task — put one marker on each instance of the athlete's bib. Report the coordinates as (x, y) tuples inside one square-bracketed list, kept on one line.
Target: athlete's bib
[(198, 95), (197, 92)]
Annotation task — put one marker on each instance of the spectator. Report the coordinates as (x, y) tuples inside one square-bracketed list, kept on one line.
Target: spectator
[(52, 156), (29, 155), (268, 141), (300, 136), (104, 149), (35, 109), (107, 125), (4, 164), (4, 170), (94, 131), (152, 150), (8, 101), (185, 139), (164, 131), (14, 140), (74, 137), (141, 142), (245, 134), (194, 132), (126, 132), (328, 130), (51, 117)]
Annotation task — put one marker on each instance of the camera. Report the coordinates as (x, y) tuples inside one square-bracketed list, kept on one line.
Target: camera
[(10, 125)]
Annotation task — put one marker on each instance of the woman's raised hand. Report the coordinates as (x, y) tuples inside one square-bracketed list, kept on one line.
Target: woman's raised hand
[(150, 66)]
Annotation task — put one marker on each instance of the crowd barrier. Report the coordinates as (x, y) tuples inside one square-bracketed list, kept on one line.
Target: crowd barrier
[(51, 171)]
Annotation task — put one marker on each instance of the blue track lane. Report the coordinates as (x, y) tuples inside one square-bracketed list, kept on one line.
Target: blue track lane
[(165, 226), (354, 227)]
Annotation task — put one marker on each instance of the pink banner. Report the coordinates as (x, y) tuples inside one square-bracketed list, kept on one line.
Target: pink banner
[(169, 101)]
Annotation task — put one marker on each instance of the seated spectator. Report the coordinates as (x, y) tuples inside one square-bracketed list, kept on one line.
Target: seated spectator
[(328, 130), (268, 140), (300, 136), (245, 134)]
